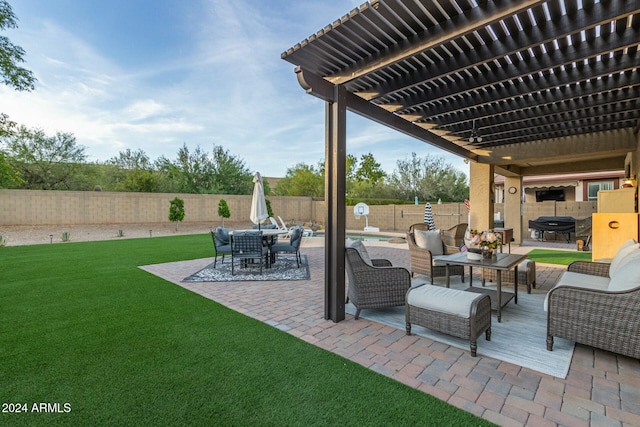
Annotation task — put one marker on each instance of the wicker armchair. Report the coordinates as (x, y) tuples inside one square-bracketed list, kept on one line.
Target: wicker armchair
[(418, 226), (453, 238), (604, 319), (422, 262), (375, 286)]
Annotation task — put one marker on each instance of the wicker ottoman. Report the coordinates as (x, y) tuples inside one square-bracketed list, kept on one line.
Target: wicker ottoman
[(462, 314), (526, 275)]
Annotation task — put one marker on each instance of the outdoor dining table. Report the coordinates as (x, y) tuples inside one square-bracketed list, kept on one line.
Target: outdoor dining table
[(500, 262)]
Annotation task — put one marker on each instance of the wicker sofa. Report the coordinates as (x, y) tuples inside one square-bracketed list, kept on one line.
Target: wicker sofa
[(598, 304)]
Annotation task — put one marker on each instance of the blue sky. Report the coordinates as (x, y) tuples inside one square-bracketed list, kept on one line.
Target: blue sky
[(157, 74)]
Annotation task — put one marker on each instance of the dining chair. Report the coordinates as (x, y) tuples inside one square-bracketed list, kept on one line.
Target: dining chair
[(221, 244), (247, 246), (291, 247)]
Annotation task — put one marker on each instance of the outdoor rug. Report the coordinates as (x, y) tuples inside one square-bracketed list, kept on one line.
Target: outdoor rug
[(520, 338), (283, 269)]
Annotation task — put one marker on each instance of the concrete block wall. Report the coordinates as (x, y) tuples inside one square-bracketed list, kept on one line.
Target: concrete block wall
[(40, 207), (398, 218)]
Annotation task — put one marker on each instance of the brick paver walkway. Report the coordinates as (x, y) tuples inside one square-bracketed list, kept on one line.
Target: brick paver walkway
[(601, 389)]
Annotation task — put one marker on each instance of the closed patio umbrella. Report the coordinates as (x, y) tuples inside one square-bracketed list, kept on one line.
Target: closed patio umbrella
[(428, 217), (258, 204)]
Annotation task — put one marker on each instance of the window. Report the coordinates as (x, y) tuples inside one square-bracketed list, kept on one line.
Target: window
[(594, 187)]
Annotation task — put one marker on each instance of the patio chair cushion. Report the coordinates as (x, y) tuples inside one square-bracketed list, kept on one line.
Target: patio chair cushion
[(361, 248), (627, 275), (222, 236), (296, 233), (442, 300), (579, 280), (429, 240), (627, 248)]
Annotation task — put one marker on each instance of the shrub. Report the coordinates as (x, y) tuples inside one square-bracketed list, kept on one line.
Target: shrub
[(176, 211), (223, 210)]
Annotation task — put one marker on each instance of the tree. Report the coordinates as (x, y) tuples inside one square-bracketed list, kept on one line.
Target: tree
[(44, 162), (230, 175), (9, 176), (369, 170), (269, 210), (429, 179), (11, 55), (189, 173), (133, 171), (176, 210), (301, 180), (199, 172), (223, 210), (364, 177), (14, 76)]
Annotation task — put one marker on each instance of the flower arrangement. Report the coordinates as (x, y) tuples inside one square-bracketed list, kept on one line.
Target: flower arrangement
[(488, 239)]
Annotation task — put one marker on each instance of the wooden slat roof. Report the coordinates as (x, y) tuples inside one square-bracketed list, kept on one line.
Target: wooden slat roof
[(546, 86)]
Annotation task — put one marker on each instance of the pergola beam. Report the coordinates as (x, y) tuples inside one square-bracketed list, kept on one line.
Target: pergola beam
[(473, 20), (498, 49)]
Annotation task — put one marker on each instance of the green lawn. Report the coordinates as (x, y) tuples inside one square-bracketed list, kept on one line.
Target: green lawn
[(550, 256), (82, 325)]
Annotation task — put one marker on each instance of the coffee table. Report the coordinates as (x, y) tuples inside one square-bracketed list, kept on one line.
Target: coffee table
[(500, 263)]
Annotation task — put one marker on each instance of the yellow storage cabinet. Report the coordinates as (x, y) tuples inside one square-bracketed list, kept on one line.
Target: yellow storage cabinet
[(610, 231)]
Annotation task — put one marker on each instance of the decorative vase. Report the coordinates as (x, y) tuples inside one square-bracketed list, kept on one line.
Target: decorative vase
[(467, 239), (487, 253)]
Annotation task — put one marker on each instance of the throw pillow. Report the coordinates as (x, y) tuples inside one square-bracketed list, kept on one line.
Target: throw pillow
[(626, 249), (222, 236), (362, 250), (627, 275), (296, 233), (430, 240)]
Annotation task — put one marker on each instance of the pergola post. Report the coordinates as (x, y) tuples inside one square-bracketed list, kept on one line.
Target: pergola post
[(481, 195), (335, 190), (513, 206)]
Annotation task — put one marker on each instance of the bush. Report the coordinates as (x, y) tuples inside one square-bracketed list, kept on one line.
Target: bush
[(223, 210), (176, 211)]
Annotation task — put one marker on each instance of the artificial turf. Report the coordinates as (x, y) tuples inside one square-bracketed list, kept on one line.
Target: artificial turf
[(102, 342), (550, 256)]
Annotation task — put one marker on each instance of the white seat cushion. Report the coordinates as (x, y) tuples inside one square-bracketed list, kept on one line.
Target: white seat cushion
[(442, 300), (627, 248), (579, 280), (430, 240), (627, 275)]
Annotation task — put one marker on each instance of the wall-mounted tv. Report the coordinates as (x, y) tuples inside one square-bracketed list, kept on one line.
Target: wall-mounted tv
[(543, 195)]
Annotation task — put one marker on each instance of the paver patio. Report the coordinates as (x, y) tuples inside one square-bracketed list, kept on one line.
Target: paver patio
[(601, 388)]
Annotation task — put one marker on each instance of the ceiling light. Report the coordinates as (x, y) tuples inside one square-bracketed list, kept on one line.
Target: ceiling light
[(475, 135)]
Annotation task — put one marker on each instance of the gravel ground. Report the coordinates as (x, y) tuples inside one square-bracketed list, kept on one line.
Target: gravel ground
[(46, 234)]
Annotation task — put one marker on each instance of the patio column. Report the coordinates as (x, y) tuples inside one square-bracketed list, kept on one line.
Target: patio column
[(513, 206), (481, 195), (335, 190)]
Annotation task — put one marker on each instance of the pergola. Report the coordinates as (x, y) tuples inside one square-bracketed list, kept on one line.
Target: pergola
[(517, 87)]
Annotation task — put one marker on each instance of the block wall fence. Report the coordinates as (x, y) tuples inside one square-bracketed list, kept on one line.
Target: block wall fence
[(41, 207)]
